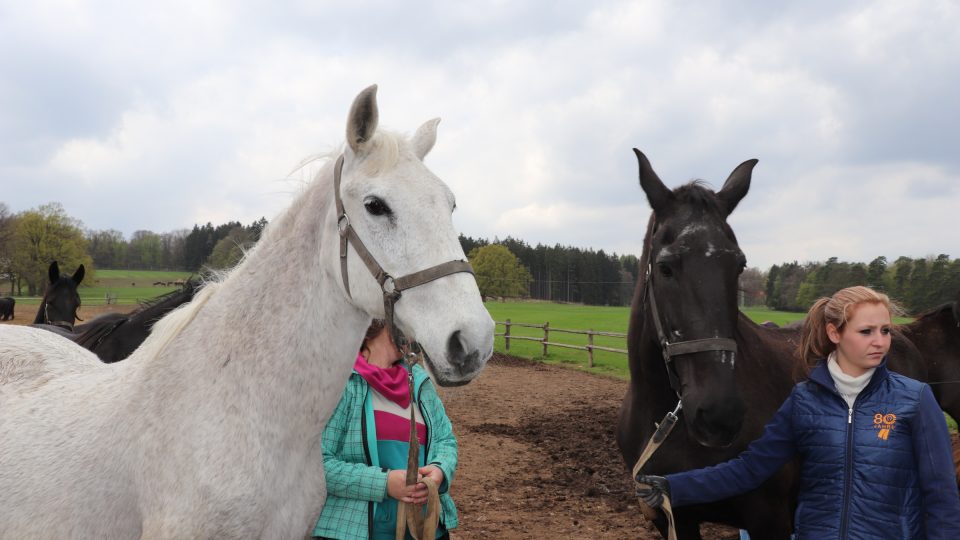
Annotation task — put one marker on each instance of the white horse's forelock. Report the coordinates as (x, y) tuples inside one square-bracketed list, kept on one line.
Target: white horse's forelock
[(384, 153)]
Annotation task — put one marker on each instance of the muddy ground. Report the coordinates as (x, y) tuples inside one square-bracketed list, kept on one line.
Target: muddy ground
[(538, 457)]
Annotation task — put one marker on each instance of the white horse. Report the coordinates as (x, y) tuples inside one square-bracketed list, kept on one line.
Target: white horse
[(212, 427)]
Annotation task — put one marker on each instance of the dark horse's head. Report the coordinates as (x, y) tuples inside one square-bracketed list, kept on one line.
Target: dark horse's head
[(692, 262), (61, 300)]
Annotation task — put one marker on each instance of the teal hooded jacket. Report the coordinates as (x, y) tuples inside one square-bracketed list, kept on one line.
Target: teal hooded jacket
[(356, 482)]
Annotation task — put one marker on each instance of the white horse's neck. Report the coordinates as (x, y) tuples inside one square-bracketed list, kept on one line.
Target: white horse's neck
[(278, 334)]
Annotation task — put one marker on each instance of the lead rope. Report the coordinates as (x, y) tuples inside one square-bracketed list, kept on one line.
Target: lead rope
[(663, 429), (411, 516)]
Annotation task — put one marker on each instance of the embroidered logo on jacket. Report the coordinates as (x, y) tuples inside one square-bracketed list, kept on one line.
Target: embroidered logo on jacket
[(885, 423)]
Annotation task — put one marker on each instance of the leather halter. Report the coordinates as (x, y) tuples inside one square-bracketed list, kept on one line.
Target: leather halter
[(392, 287), (679, 348), (66, 325)]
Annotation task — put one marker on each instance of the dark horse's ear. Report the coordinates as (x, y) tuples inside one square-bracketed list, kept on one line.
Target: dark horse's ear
[(363, 119), (78, 275), (658, 194), (53, 272), (737, 185)]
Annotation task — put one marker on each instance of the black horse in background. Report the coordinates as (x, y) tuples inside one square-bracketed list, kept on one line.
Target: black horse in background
[(937, 334), (7, 304), (60, 299), (689, 270), (114, 336)]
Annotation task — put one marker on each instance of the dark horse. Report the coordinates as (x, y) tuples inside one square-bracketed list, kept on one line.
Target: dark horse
[(114, 336), (689, 269), (7, 304), (937, 334), (60, 299)]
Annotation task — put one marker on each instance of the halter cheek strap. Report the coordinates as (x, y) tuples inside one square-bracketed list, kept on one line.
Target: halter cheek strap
[(391, 287)]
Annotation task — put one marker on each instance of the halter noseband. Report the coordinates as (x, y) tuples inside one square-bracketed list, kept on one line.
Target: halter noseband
[(60, 324), (392, 287)]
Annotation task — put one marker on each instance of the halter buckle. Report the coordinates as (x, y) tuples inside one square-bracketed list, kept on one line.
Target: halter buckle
[(389, 286), (343, 224)]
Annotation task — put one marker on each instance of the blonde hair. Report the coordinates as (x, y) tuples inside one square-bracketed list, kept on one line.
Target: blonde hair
[(815, 344)]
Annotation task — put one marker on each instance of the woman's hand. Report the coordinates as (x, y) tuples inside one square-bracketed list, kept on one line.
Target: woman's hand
[(432, 472), (397, 486)]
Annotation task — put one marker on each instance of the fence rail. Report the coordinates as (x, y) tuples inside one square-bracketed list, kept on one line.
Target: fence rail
[(545, 340)]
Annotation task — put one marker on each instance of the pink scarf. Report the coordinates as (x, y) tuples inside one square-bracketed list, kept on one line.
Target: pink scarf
[(391, 382)]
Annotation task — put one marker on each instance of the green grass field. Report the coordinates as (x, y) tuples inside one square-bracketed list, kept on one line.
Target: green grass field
[(579, 317), (127, 286)]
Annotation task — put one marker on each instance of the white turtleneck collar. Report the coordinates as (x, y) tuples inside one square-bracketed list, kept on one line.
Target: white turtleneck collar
[(848, 385)]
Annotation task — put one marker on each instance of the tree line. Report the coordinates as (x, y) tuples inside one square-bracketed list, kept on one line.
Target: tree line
[(29, 240), (570, 274), (916, 284), (558, 273)]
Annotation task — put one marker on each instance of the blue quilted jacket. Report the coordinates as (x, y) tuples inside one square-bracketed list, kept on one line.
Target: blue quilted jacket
[(882, 469)]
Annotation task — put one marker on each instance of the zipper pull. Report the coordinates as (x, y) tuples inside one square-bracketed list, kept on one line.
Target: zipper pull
[(850, 415)]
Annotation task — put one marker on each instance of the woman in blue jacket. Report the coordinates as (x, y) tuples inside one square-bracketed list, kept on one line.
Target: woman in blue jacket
[(872, 445), (365, 446)]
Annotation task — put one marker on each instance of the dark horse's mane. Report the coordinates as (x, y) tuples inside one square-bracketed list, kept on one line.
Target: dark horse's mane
[(94, 334)]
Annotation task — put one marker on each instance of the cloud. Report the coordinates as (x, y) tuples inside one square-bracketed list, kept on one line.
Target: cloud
[(160, 116)]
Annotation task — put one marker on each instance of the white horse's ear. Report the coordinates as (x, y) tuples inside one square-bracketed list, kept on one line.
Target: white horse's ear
[(362, 120), (425, 138)]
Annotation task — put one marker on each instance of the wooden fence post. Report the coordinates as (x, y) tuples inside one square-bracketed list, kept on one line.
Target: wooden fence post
[(546, 336), (590, 347), (506, 335)]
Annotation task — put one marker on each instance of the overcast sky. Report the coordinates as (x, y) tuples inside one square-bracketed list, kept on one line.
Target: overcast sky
[(159, 115)]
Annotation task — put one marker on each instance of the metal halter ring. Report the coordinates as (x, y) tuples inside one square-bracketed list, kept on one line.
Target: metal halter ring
[(343, 224), (389, 286)]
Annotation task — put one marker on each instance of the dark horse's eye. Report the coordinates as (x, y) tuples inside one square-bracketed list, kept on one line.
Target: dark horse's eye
[(376, 207), (665, 270)]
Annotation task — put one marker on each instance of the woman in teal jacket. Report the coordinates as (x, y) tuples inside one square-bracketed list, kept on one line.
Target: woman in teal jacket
[(365, 449)]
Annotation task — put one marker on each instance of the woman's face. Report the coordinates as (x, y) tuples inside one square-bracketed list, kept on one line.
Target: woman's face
[(380, 350), (864, 340)]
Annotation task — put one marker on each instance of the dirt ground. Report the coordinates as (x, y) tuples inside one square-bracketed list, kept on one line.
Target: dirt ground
[(538, 458), (26, 313)]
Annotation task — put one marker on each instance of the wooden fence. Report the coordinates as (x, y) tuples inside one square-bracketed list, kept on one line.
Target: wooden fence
[(546, 343)]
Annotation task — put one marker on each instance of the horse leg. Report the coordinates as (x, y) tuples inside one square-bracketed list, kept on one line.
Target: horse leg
[(687, 528), (767, 512)]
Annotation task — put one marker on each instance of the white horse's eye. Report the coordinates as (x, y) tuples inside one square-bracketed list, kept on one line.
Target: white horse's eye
[(377, 207)]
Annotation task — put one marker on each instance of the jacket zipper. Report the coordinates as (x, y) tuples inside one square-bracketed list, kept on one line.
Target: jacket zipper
[(847, 467)]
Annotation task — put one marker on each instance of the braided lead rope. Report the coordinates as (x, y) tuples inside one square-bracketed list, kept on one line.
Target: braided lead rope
[(411, 516)]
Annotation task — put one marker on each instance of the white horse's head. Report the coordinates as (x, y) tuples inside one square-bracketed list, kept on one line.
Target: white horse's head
[(402, 213)]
